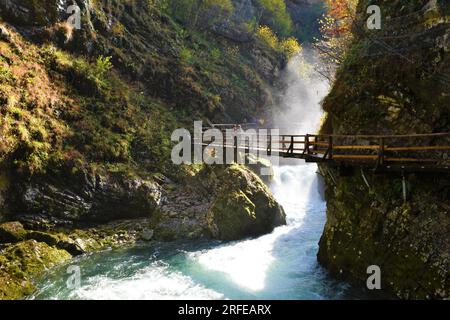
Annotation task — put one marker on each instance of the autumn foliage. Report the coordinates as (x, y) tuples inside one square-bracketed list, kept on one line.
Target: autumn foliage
[(336, 29)]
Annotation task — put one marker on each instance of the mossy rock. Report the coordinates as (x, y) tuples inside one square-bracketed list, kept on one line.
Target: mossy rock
[(232, 215), (23, 261), (243, 205), (12, 232)]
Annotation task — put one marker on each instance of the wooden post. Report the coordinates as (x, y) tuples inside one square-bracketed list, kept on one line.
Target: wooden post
[(224, 146), (306, 151), (192, 149), (269, 144), (236, 150), (247, 149), (330, 146), (329, 153), (315, 148), (381, 153), (291, 148)]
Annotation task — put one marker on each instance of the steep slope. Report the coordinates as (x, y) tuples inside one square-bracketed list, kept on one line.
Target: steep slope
[(393, 81)]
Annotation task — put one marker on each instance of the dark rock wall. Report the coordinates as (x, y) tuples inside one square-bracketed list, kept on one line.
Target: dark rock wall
[(394, 81)]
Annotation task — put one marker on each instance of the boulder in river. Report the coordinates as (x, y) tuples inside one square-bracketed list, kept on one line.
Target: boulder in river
[(243, 206), (21, 262)]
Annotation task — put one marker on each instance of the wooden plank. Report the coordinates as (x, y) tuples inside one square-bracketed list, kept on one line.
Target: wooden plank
[(289, 142), (323, 144), (356, 147), (418, 148), (412, 160), (344, 156), (402, 136)]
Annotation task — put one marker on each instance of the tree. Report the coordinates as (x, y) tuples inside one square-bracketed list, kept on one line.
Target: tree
[(274, 14), (336, 29), (289, 47)]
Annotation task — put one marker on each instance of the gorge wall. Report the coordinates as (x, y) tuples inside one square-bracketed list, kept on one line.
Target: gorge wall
[(393, 81)]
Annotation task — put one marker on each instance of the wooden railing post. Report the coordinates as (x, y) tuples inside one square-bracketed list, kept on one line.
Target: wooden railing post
[(329, 153), (224, 146), (236, 150), (247, 147), (291, 148), (330, 145), (381, 153), (306, 151), (315, 147)]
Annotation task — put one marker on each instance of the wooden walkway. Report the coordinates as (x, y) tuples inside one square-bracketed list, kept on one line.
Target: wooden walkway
[(403, 153)]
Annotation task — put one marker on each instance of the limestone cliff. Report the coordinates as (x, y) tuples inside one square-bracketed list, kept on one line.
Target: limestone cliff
[(393, 81)]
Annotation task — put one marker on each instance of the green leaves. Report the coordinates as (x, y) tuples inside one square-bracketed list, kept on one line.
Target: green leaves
[(276, 16)]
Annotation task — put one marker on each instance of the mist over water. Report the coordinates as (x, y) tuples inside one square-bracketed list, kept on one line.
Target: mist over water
[(280, 265), (300, 97)]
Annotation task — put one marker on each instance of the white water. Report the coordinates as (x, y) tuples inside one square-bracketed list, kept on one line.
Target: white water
[(281, 265)]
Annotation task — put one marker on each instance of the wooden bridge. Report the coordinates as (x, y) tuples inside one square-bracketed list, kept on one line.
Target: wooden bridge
[(403, 153)]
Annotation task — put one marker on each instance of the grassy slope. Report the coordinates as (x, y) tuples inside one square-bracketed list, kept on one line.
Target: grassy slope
[(60, 106)]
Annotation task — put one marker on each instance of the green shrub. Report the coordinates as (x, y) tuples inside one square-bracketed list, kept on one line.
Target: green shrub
[(186, 56), (6, 76), (95, 74), (276, 16)]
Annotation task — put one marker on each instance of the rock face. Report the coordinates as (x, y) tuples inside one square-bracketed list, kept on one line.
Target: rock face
[(28, 11), (234, 28), (380, 92), (86, 197)]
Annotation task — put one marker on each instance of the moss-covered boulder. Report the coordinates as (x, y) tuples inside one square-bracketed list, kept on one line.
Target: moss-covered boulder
[(243, 205), (12, 232), (21, 262)]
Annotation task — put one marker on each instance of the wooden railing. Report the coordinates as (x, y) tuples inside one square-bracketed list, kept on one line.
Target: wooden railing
[(414, 151)]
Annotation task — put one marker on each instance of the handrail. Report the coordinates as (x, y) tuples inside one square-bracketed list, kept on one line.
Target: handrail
[(380, 151), (401, 136)]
